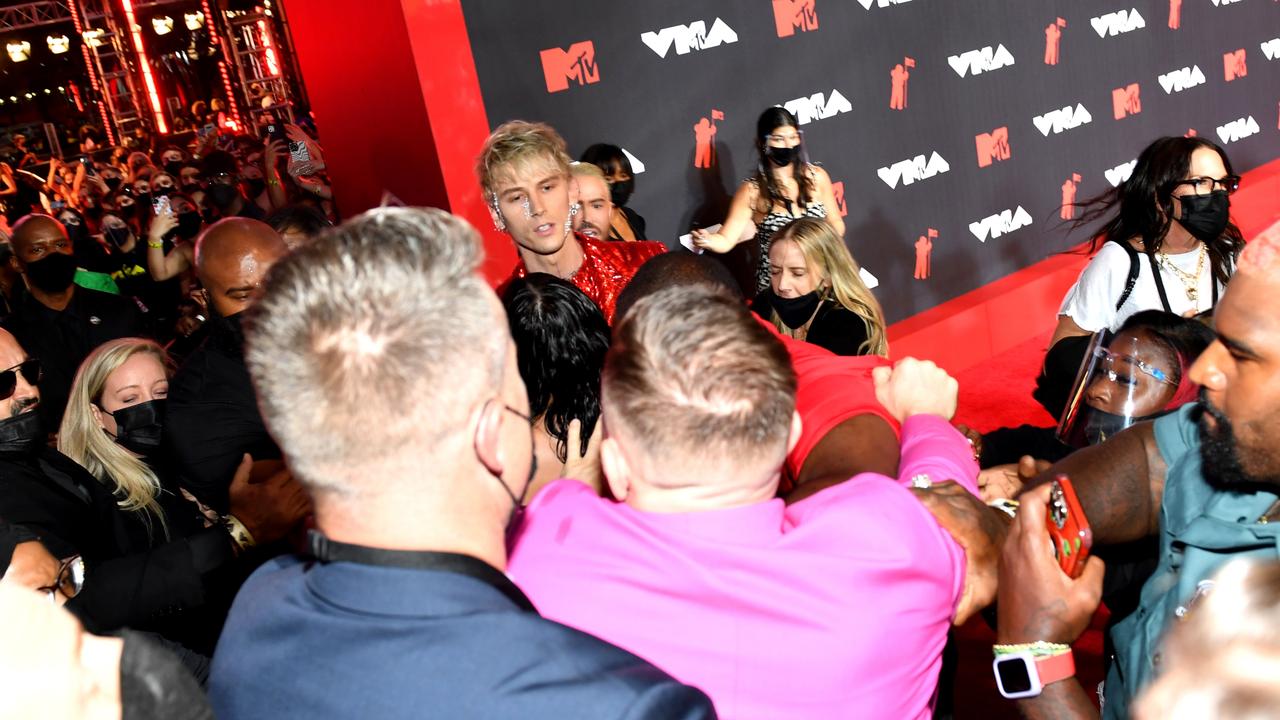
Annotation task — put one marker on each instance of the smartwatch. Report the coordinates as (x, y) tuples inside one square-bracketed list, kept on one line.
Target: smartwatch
[(1023, 675)]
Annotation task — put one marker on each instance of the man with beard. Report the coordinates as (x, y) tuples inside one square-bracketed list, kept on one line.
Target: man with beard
[(1204, 480), (213, 415), (58, 321), (593, 196)]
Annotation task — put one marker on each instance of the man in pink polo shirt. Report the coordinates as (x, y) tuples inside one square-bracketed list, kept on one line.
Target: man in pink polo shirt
[(835, 606)]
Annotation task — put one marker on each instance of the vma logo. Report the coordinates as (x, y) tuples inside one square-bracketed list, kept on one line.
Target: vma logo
[(688, 38), (1126, 101), (838, 189), (1180, 80), (866, 4), (1271, 49), (976, 62), (1120, 173), (1065, 119), (913, 170), (1220, 3), (578, 64), (792, 15), (1233, 65), (1118, 23), (992, 146), (1001, 223), (815, 107), (1238, 129)]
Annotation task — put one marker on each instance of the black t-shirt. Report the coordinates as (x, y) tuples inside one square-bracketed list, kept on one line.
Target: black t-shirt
[(62, 340)]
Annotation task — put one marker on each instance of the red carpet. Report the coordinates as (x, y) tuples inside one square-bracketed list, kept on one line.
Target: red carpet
[(997, 392)]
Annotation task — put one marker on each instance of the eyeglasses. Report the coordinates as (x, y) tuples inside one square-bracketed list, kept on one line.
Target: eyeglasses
[(797, 137), (1205, 185), (69, 580), (30, 369)]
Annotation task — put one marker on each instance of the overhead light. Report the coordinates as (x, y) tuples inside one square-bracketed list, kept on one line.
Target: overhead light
[(93, 38), (58, 44), (162, 25), (194, 20), (19, 50)]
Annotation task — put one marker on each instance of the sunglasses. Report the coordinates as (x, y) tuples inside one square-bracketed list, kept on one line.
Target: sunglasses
[(30, 370)]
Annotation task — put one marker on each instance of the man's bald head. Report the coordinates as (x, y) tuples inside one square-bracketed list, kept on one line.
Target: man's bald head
[(34, 236), (674, 269), (232, 259)]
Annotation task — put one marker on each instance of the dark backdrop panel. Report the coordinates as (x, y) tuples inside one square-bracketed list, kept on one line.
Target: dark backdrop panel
[(607, 85)]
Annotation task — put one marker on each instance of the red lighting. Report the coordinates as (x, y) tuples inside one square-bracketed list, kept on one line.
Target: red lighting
[(75, 93), (145, 64), (208, 16), (272, 65), (106, 123), (233, 113)]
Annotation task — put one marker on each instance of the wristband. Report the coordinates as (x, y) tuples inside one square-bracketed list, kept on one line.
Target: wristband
[(240, 535), (273, 181), (1005, 505), (1039, 648), (156, 245)]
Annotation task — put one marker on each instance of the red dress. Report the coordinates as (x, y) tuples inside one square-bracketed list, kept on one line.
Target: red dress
[(606, 268)]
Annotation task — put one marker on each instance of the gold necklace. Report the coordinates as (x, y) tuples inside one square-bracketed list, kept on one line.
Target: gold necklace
[(1190, 281)]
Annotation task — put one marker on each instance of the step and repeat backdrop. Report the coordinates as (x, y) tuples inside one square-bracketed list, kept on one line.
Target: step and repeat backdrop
[(954, 130)]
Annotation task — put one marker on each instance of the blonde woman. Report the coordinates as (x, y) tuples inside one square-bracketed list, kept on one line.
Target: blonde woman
[(816, 295)]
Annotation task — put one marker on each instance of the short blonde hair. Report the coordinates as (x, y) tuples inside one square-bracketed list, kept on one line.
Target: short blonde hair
[(518, 143), (586, 169)]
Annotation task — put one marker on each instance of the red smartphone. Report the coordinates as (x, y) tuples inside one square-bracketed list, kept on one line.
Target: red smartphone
[(1068, 527)]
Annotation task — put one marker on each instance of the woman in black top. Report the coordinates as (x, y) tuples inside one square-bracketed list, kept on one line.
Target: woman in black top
[(627, 224)]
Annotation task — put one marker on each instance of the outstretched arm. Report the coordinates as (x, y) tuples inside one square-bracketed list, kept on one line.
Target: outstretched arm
[(730, 233)]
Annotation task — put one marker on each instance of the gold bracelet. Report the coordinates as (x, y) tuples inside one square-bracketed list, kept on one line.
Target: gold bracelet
[(240, 534), (1039, 648)]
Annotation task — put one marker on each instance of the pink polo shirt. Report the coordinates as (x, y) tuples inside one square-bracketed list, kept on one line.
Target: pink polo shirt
[(837, 606)]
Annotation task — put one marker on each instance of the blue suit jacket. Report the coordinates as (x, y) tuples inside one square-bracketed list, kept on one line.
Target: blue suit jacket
[(344, 640)]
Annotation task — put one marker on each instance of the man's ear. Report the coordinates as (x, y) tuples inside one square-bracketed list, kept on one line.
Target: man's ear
[(15, 265), (617, 471), (488, 437), (797, 428)]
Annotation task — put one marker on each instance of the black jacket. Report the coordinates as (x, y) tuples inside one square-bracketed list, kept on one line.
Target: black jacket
[(834, 326)]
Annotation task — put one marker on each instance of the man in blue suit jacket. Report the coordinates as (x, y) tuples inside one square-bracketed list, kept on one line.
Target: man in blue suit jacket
[(385, 370)]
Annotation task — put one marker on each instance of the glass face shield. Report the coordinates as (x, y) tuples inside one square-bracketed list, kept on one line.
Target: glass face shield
[(1125, 378)]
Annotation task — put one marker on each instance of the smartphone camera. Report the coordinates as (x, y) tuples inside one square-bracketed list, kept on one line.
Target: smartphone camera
[(161, 205)]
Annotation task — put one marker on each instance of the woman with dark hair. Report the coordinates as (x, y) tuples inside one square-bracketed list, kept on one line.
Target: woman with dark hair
[(561, 338), (298, 224), (627, 224), (784, 187), (1169, 244)]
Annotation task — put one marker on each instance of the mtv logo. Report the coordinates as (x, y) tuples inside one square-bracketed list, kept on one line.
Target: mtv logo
[(992, 146), (1180, 80), (1238, 129), (816, 107), (913, 170), (1060, 120), (577, 63), (1233, 65), (1126, 101), (688, 38), (1117, 23), (792, 15), (1002, 223), (866, 4), (1271, 49), (976, 62), (838, 189), (1120, 173)]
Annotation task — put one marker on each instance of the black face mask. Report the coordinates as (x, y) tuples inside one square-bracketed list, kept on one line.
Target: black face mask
[(53, 273), (139, 427), (143, 198), (113, 183), (221, 195), (795, 312), (155, 685), (188, 224), (1206, 216), (782, 156), (162, 191), (173, 167), (191, 187), (620, 192), (256, 187), (118, 235), (21, 433)]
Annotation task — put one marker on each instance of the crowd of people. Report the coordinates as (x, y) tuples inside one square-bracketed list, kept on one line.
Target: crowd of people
[(266, 467)]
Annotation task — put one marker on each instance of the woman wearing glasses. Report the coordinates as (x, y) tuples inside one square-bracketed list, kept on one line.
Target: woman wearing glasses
[(1167, 244), (784, 187)]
